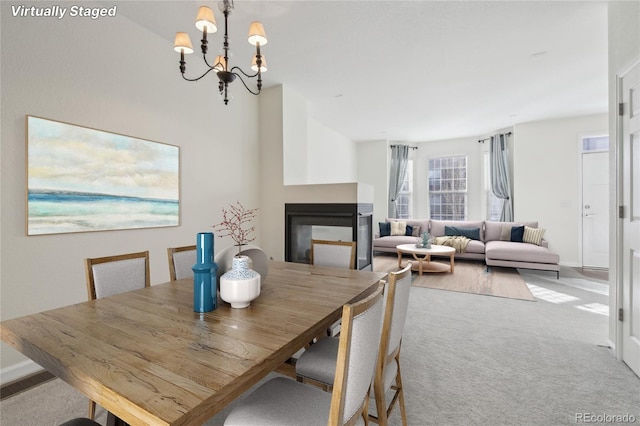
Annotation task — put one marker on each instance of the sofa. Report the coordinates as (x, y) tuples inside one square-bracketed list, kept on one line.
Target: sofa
[(495, 243)]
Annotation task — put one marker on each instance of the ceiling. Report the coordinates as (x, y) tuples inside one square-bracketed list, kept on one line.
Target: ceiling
[(414, 71)]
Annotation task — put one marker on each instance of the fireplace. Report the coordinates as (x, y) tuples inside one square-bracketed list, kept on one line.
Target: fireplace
[(341, 222)]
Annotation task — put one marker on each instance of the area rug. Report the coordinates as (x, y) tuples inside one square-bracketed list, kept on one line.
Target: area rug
[(468, 277)]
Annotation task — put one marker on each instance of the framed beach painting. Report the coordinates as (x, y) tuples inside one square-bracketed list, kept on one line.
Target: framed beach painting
[(81, 179)]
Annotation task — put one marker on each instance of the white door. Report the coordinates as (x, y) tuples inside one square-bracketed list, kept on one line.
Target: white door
[(595, 209), (630, 222)]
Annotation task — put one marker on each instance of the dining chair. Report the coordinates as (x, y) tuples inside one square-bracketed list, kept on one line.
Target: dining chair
[(318, 362), (285, 402), (111, 275), (340, 254), (181, 259)]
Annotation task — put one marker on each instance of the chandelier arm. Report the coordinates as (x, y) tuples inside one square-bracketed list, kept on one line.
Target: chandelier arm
[(242, 71), (197, 78), (245, 84)]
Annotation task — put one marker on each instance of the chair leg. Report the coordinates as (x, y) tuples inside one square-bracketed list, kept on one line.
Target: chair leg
[(381, 404), (92, 410), (403, 413)]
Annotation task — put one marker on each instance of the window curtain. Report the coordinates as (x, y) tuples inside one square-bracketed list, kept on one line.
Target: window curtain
[(397, 172), (500, 185)]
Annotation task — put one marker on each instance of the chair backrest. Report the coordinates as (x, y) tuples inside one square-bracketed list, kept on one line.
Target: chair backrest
[(340, 254), (396, 306), (357, 354), (181, 260), (111, 275)]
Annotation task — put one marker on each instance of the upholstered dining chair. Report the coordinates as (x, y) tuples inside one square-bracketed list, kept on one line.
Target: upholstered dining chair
[(340, 254), (285, 402), (318, 362), (181, 259), (111, 275)]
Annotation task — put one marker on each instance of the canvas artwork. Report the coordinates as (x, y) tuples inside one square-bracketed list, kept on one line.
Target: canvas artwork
[(81, 179)]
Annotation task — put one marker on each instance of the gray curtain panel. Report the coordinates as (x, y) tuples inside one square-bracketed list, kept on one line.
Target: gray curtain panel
[(500, 184), (398, 169)]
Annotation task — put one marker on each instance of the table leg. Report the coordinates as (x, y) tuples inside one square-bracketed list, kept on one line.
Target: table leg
[(399, 260), (451, 262)]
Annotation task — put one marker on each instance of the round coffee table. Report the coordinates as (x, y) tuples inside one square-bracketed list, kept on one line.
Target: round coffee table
[(423, 256)]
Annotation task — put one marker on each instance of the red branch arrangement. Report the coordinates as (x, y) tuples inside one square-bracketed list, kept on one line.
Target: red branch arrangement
[(235, 224)]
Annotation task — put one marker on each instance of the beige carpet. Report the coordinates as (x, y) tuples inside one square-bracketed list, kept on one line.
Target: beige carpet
[(468, 277)]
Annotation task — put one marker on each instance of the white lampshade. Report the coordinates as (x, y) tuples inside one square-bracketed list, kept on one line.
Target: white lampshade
[(254, 65), (205, 19), (257, 34), (219, 64), (182, 43)]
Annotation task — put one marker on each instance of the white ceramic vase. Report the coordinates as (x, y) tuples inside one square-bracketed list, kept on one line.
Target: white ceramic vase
[(240, 285)]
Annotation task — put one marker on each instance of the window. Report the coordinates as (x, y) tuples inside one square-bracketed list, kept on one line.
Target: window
[(494, 204), (595, 143), (405, 197), (448, 187)]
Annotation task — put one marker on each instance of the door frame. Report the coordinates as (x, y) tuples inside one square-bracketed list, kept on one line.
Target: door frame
[(616, 275), (581, 152)]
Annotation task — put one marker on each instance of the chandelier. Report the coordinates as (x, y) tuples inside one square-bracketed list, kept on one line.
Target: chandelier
[(206, 22)]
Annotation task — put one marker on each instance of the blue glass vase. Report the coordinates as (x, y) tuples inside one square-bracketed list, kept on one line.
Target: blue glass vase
[(205, 275)]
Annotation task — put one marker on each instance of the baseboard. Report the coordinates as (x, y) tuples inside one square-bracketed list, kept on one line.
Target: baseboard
[(570, 264), (18, 371)]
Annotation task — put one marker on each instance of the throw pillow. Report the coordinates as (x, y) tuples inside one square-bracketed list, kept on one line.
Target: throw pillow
[(505, 234), (408, 231), (398, 228), (471, 233), (517, 232), (533, 235), (385, 229), (416, 231)]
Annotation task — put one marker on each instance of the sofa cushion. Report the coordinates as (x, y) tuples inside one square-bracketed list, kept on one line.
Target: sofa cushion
[(475, 246), (533, 235), (422, 224), (521, 252), (385, 229), (517, 232), (393, 241), (398, 228), (492, 230), (437, 226), (471, 233)]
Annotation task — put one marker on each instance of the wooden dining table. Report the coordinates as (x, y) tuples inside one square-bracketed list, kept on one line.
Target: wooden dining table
[(149, 359)]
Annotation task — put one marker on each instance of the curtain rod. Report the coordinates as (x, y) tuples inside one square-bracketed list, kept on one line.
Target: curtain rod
[(486, 139), (411, 147)]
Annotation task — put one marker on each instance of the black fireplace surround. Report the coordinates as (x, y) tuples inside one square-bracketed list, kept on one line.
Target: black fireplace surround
[(328, 221)]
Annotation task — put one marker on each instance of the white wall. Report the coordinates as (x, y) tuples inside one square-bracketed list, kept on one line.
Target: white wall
[(373, 169), (113, 75), (295, 137), (546, 182), (275, 104), (331, 157)]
